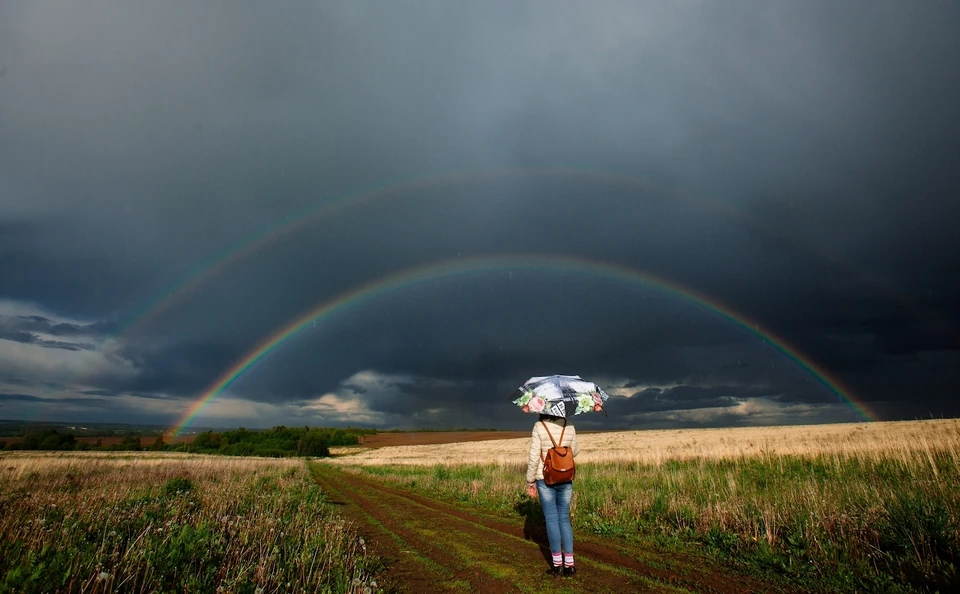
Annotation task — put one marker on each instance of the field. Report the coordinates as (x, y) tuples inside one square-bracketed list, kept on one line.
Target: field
[(96, 522), (902, 439), (834, 508), (860, 507)]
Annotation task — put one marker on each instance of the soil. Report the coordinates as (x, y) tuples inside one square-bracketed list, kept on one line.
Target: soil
[(428, 545)]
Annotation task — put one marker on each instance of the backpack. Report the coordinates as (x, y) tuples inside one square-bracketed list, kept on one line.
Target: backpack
[(558, 464)]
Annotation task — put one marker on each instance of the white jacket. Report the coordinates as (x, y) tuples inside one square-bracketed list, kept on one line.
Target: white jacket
[(540, 443)]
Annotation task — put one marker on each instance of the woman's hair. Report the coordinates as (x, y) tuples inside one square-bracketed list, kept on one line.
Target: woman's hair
[(544, 417)]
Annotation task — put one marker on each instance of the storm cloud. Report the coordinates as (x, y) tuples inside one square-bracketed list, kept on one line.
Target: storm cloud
[(776, 183)]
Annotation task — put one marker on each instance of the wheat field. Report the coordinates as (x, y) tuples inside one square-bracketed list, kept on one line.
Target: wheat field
[(871, 440)]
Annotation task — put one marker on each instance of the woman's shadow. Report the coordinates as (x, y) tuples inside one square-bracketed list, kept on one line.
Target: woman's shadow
[(534, 528)]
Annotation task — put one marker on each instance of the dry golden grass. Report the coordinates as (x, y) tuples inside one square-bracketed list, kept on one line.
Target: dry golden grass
[(871, 440), (346, 450)]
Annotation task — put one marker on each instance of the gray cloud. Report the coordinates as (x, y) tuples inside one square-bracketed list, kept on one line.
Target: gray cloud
[(688, 397), (25, 329), (14, 397)]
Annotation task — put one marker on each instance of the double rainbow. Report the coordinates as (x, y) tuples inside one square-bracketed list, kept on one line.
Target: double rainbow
[(461, 267)]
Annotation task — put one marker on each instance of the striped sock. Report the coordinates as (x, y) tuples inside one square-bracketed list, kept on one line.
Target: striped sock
[(556, 559), (567, 559)]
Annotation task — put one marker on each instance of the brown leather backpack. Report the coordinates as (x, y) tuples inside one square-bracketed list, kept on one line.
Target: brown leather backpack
[(558, 464)]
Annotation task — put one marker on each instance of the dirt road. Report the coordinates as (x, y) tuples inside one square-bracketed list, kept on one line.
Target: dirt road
[(433, 546)]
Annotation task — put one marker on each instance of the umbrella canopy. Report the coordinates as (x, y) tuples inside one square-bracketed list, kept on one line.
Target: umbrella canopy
[(560, 395)]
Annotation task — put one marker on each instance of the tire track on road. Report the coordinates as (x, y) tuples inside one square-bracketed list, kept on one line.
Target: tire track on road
[(417, 560)]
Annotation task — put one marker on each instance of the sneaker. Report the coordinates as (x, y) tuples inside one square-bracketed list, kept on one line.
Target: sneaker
[(571, 570), (555, 571)]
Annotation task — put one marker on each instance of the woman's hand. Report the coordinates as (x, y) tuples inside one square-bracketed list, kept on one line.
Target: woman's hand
[(532, 490)]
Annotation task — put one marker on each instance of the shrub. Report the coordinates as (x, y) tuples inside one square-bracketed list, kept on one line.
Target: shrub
[(178, 486)]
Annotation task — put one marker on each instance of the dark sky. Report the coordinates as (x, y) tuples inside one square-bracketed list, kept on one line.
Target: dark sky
[(795, 162)]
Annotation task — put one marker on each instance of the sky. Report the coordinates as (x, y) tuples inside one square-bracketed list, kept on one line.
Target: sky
[(724, 214)]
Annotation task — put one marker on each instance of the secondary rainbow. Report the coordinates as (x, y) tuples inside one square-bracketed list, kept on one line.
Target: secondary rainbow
[(254, 242), (460, 267)]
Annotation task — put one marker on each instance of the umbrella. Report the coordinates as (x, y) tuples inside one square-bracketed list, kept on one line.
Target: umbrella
[(560, 395)]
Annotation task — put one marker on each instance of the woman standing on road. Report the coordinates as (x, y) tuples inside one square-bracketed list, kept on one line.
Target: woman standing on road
[(555, 499)]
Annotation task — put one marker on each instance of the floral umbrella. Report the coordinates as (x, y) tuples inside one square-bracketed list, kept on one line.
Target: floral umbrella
[(560, 395)]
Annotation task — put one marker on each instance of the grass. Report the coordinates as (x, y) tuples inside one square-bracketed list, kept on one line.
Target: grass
[(835, 508), (170, 523)]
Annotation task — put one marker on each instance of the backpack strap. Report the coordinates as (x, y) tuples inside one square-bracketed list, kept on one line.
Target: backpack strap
[(542, 459), (552, 440)]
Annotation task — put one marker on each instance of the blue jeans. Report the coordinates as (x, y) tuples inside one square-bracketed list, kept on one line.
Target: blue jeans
[(555, 501)]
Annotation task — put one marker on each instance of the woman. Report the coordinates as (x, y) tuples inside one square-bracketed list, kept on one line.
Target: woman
[(555, 499)]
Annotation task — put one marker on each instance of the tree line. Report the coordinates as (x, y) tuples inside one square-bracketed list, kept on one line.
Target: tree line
[(277, 442)]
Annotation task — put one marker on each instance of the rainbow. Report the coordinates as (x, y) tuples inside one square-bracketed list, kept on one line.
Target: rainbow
[(460, 267), (250, 244)]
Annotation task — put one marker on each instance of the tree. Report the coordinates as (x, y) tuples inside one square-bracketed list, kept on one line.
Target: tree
[(158, 444), (312, 445), (202, 441), (130, 443), (207, 441)]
